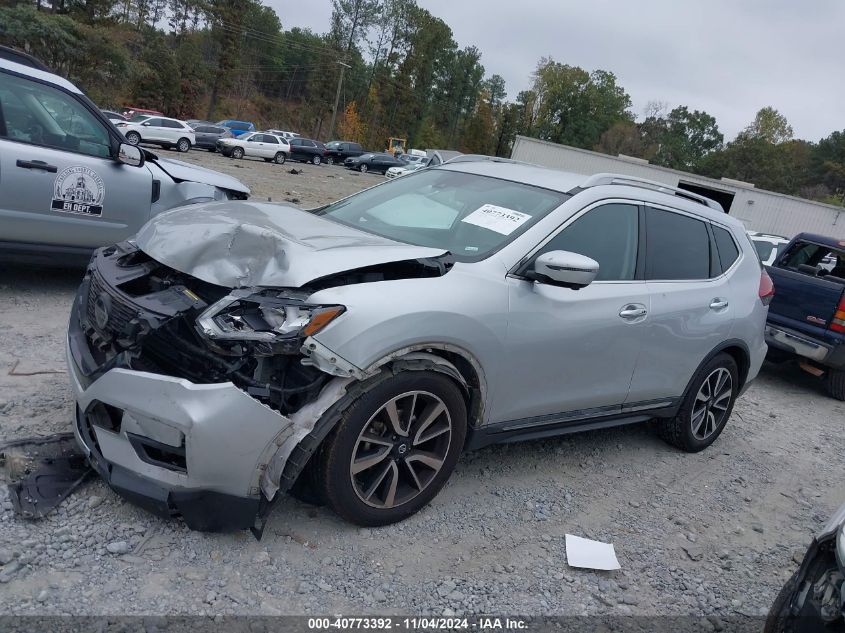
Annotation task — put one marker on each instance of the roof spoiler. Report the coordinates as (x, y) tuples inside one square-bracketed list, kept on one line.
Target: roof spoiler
[(632, 181)]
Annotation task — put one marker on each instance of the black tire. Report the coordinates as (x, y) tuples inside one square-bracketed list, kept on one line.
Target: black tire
[(238, 152), (363, 168), (834, 382), (333, 466), (680, 430), (776, 619), (280, 158), (133, 138), (184, 145), (316, 159), (330, 160)]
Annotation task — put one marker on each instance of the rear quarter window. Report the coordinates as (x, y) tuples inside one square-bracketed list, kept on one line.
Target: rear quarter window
[(728, 251), (677, 246)]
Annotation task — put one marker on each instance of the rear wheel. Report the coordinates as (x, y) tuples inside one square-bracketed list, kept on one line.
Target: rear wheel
[(133, 138), (316, 160), (183, 145), (706, 406), (238, 152), (834, 382), (363, 168), (279, 158), (393, 449)]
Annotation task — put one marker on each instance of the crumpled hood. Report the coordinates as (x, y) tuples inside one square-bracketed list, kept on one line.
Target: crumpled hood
[(246, 244), (180, 170)]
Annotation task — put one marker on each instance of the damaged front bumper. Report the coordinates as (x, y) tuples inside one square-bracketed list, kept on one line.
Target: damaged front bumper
[(209, 451)]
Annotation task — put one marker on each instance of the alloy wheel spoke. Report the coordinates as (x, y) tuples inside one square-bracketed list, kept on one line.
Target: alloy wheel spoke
[(377, 482), (390, 498), (363, 463), (426, 419), (393, 415), (697, 419), (375, 439), (414, 477), (429, 459)]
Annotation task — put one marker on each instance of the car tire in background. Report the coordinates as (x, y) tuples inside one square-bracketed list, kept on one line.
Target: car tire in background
[(316, 160), (279, 158), (238, 152), (330, 160), (184, 145), (362, 168), (133, 138), (834, 382), (706, 406), (393, 449)]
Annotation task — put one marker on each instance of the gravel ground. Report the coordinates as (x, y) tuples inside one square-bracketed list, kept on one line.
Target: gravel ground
[(712, 534)]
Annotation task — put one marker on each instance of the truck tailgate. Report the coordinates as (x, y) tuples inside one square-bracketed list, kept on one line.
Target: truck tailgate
[(802, 301)]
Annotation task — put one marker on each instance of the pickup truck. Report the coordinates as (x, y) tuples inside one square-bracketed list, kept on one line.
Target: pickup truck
[(807, 315)]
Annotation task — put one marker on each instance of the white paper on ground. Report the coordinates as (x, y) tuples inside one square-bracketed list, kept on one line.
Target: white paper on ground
[(582, 552), (499, 219)]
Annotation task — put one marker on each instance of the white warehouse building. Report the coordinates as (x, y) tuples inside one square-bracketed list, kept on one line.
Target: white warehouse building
[(759, 210)]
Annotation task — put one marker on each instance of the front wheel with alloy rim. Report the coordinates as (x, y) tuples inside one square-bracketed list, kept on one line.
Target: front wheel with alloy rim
[(330, 161), (363, 168), (316, 160), (393, 449), (183, 145), (133, 138), (237, 153), (706, 406)]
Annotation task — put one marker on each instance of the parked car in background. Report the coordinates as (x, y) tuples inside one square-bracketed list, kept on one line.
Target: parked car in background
[(396, 172), (237, 128), (207, 135), (330, 336), (807, 317), (379, 162), (813, 599), (114, 117), (156, 130), (284, 134), (71, 182), (768, 246), (307, 151), (132, 111), (339, 151), (270, 147)]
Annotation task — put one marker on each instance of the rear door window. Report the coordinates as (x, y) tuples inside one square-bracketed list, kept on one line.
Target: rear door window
[(268, 138), (677, 246), (728, 251)]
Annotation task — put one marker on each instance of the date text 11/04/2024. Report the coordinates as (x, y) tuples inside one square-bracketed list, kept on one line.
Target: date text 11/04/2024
[(416, 623)]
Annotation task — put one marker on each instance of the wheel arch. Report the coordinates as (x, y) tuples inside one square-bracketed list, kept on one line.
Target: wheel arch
[(735, 348)]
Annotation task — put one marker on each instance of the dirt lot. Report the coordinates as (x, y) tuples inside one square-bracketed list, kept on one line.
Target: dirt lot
[(715, 533)]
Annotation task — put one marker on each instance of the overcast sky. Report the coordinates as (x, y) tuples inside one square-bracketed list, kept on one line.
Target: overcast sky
[(727, 57)]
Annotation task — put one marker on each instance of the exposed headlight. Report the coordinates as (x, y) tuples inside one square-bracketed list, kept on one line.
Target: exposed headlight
[(840, 547), (268, 317)]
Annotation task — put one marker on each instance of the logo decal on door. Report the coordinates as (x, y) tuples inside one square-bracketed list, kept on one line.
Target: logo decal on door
[(79, 190)]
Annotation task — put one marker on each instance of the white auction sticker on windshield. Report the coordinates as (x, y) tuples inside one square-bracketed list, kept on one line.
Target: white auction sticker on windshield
[(499, 219)]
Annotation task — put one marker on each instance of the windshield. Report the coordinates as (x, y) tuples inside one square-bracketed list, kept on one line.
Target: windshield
[(472, 216)]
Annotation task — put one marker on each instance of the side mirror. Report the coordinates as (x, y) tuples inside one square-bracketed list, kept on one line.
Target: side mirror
[(564, 268), (130, 155), (145, 124)]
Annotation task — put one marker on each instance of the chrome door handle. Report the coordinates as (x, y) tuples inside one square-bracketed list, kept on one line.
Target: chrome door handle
[(633, 311), (718, 303)]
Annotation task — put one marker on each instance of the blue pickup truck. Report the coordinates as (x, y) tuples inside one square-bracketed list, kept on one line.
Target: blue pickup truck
[(807, 316)]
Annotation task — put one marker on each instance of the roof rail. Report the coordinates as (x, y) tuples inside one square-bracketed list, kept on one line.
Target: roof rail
[(632, 181), (19, 57)]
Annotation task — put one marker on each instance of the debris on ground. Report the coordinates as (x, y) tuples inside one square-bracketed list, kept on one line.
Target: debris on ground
[(41, 472), (584, 552)]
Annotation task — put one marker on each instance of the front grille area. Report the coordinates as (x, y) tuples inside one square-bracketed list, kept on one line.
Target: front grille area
[(120, 313)]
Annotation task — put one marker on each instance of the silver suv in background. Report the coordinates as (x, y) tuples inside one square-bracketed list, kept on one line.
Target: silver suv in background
[(360, 347), (69, 181)]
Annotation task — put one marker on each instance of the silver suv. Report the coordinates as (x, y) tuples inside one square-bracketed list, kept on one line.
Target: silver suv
[(233, 350), (70, 182)]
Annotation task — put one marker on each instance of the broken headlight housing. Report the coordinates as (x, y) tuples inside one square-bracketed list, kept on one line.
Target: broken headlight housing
[(268, 317)]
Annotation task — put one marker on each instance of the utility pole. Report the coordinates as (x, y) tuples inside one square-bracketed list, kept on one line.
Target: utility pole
[(337, 98)]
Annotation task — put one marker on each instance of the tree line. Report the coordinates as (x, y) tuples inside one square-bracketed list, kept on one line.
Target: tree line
[(403, 75)]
